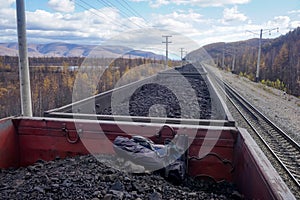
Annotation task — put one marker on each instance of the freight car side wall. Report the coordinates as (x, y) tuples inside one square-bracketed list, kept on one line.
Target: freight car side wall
[(32, 139), (218, 103), (9, 144), (256, 178)]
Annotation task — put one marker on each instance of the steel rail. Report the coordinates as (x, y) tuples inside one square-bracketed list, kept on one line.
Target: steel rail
[(258, 116)]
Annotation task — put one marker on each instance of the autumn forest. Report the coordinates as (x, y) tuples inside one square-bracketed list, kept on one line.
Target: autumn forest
[(280, 60), (52, 80)]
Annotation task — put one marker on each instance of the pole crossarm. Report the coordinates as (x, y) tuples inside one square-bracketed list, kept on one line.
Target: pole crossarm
[(264, 31)]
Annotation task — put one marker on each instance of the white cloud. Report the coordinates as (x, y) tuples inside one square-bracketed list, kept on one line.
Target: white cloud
[(140, 22), (294, 11), (6, 3), (102, 23), (184, 23), (201, 3), (7, 18), (294, 24), (232, 14), (280, 20), (87, 26), (158, 3), (62, 5), (284, 23), (138, 0), (186, 16)]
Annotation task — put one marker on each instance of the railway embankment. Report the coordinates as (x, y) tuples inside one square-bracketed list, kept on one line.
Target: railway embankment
[(283, 109)]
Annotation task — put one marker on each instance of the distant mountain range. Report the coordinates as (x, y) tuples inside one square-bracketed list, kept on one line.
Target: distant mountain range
[(59, 49)]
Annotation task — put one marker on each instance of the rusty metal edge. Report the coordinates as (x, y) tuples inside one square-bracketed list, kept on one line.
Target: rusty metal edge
[(200, 122), (198, 126)]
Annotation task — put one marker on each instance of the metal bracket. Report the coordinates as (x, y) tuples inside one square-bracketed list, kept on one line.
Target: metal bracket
[(67, 134)]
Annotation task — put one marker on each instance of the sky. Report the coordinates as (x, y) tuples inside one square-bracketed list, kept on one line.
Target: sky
[(102, 21)]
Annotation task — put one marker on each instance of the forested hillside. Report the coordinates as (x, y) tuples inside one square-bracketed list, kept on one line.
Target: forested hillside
[(280, 60)]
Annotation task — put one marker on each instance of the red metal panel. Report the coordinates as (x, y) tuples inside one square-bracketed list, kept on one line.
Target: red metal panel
[(223, 152), (45, 139), (217, 142), (33, 148), (254, 174), (211, 166), (9, 146), (215, 152)]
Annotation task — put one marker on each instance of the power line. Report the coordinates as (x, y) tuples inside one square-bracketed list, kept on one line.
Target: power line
[(105, 3), (124, 14), (120, 2), (134, 12), (96, 12)]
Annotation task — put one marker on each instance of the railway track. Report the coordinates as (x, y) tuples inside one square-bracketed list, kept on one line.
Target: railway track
[(283, 148)]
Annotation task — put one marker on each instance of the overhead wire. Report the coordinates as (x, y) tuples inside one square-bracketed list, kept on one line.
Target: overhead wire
[(131, 10), (96, 12), (124, 14)]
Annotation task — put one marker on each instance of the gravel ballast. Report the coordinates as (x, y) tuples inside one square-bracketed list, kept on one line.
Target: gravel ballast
[(283, 109)]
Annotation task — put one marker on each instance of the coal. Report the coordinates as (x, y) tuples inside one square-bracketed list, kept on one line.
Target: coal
[(157, 100), (85, 177)]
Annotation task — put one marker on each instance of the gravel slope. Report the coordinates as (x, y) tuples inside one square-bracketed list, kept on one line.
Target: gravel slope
[(281, 108)]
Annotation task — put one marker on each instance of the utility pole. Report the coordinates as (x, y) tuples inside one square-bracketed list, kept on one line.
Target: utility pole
[(233, 60), (259, 49), (167, 42), (26, 105), (223, 57), (258, 57), (181, 53), (233, 63), (181, 56)]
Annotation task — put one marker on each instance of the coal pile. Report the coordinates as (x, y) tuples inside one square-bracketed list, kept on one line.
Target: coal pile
[(157, 100), (84, 177), (189, 68)]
